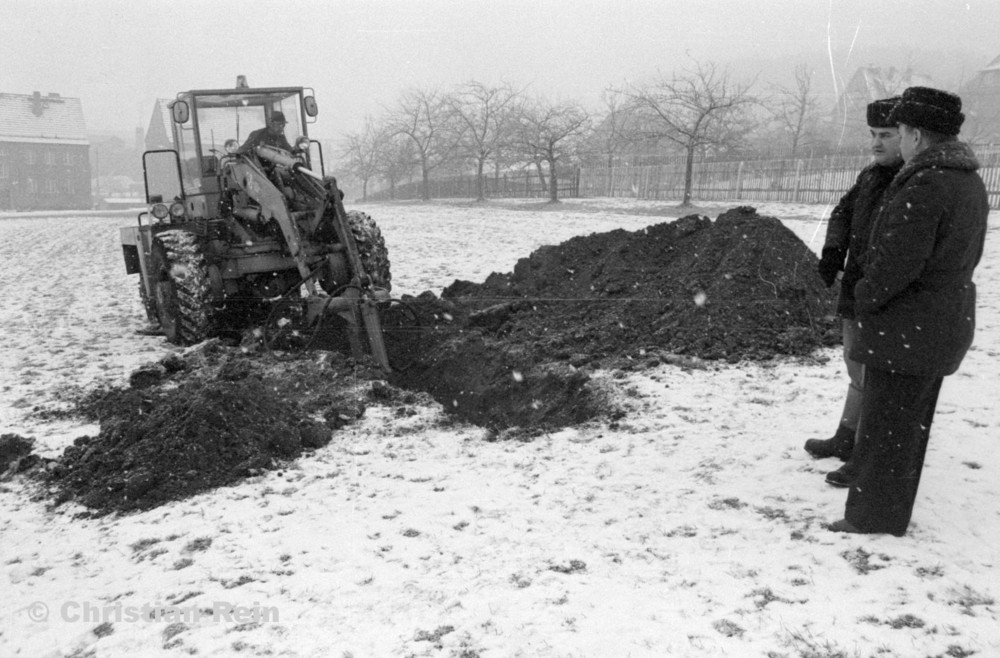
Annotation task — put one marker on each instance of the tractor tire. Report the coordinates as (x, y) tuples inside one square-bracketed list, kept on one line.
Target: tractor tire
[(371, 248), (182, 292)]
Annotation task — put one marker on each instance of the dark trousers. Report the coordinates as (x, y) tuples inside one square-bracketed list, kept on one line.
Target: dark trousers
[(896, 415)]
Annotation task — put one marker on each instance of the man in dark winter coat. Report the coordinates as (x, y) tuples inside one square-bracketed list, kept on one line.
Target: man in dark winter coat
[(847, 240), (915, 305)]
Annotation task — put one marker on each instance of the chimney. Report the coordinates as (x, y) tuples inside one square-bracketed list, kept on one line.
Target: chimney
[(36, 104)]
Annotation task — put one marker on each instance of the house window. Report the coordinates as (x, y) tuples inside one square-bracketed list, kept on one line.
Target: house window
[(29, 157), (50, 157), (67, 157), (4, 170), (32, 186)]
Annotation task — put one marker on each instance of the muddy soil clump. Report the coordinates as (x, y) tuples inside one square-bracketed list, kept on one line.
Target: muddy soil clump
[(490, 381), (15, 454)]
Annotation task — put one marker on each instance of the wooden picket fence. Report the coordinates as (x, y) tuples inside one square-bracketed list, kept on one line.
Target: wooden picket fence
[(804, 180), (821, 179), (516, 185)]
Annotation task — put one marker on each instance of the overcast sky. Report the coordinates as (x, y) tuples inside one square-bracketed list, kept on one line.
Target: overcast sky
[(119, 56)]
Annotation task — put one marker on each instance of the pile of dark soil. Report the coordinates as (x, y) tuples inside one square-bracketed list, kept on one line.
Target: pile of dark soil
[(742, 287), (187, 425), (516, 349)]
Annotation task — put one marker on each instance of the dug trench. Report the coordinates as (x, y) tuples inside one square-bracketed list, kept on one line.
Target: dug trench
[(516, 353)]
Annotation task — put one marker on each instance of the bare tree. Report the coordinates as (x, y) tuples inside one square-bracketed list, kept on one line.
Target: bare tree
[(613, 134), (617, 130), (396, 159), (696, 109), (549, 132), (794, 108), (425, 117), (362, 151), (486, 114)]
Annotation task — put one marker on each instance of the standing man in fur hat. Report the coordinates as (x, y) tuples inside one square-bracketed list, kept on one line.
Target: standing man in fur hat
[(846, 242), (915, 305)]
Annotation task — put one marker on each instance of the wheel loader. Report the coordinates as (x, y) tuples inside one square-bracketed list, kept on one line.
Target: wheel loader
[(245, 232)]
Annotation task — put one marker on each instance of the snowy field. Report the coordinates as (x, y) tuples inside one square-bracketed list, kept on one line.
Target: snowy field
[(692, 527)]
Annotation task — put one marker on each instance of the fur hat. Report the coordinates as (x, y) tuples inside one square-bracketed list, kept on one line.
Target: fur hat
[(878, 112), (930, 109), (278, 116)]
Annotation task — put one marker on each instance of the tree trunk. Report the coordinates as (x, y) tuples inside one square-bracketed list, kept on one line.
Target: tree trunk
[(611, 174), (426, 182), (541, 174), (553, 180), (480, 181), (688, 175)]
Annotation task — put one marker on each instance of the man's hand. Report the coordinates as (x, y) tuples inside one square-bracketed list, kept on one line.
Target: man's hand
[(831, 263)]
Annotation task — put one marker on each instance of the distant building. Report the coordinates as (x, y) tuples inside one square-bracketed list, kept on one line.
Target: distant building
[(44, 153), (159, 134), (869, 83), (981, 104)]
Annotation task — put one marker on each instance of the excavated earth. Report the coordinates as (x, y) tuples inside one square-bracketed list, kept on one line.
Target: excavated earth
[(519, 347), (516, 353), (207, 418)]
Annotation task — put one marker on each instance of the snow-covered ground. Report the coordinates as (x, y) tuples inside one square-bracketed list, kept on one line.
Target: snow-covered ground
[(692, 527)]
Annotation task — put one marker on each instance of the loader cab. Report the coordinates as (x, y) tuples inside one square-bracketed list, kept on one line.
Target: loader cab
[(208, 126)]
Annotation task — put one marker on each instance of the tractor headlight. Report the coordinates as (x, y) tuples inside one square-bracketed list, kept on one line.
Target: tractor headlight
[(231, 145), (159, 210), (302, 144), (176, 210)]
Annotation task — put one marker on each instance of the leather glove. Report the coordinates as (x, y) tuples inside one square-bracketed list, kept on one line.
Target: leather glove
[(831, 262)]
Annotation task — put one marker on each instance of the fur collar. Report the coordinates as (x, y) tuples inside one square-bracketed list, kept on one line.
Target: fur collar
[(944, 155), (890, 169)]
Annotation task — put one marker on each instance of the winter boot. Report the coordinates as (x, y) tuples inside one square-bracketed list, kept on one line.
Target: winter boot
[(843, 476), (840, 445)]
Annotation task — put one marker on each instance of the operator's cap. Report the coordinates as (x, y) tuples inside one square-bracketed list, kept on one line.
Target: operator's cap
[(278, 116)]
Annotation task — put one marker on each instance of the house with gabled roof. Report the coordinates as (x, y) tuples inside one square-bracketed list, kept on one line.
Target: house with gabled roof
[(159, 134), (44, 153), (869, 83), (981, 105)]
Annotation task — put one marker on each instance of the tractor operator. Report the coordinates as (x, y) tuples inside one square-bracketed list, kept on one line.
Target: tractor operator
[(271, 135)]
